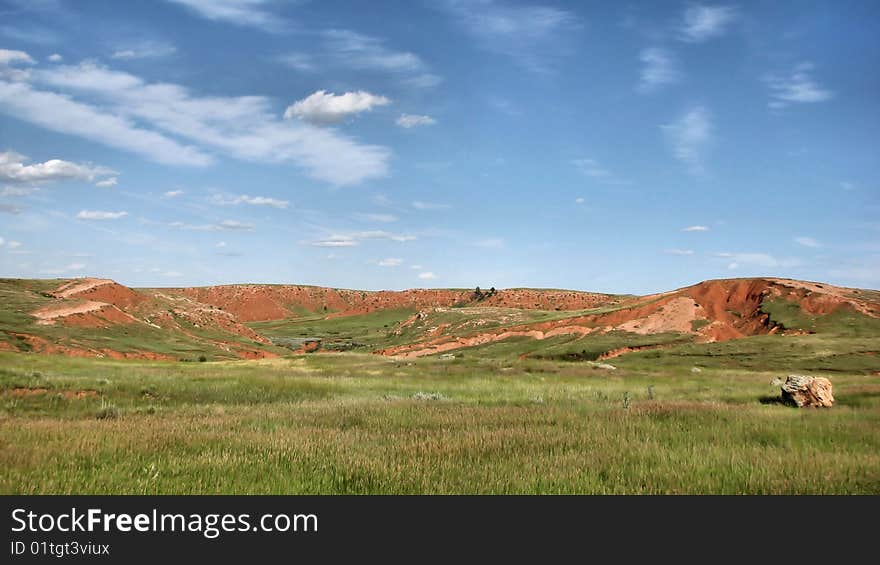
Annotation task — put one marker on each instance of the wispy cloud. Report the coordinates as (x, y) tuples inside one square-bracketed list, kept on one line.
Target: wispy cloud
[(371, 217), (533, 35), (107, 183), (100, 215), (659, 68), (695, 228), (225, 225), (324, 107), (427, 276), (490, 243), (128, 113), (762, 260), (144, 50), (235, 200), (807, 241), (420, 205), (798, 86), (172, 194), (414, 120), (353, 239), (252, 13), (678, 251), (689, 136), (701, 22), (596, 171), (390, 262)]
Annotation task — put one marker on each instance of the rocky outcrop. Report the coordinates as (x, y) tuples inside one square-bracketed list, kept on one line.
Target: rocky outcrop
[(803, 390)]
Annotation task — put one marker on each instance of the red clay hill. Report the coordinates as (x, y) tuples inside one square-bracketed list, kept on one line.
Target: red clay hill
[(99, 317)]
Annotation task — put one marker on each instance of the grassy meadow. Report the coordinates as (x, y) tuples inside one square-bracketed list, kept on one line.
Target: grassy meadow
[(682, 419)]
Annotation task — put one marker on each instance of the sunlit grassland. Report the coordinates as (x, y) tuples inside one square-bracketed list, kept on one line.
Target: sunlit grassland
[(357, 423)]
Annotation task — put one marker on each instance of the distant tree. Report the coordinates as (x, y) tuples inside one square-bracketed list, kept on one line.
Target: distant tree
[(478, 294)]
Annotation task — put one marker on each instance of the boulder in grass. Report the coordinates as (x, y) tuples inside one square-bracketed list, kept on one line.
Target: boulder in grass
[(803, 390)]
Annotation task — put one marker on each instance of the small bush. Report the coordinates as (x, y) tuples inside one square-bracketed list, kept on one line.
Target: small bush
[(202, 358)]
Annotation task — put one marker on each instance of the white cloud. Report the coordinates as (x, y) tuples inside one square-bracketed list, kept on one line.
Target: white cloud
[(107, 183), (172, 194), (145, 50), (172, 274), (695, 228), (381, 218), (225, 225), (324, 107), (579, 200), (423, 80), (594, 169), (100, 215), (420, 205), (412, 120), (678, 251), (73, 267), (147, 118), (298, 61), (705, 22), (390, 262), (220, 244), (689, 136), (427, 275), (14, 170), (2, 241), (18, 191), (659, 68), (55, 58), (336, 241), (416, 267), (364, 52), (807, 241), (226, 200), (12, 57), (762, 260), (250, 13), (799, 86), (490, 243), (531, 34), (9, 209), (13, 244), (355, 238)]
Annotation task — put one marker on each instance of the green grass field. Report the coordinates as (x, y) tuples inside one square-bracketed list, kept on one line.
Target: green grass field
[(485, 422)]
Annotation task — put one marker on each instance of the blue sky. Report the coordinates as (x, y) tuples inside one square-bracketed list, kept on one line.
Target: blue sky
[(608, 147)]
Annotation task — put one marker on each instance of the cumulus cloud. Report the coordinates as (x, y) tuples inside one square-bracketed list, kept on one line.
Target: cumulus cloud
[(579, 200), (798, 86), (324, 107), (100, 215), (11, 57), (226, 200), (689, 136), (55, 58), (13, 169), (390, 262), (695, 228), (413, 120), (249, 13), (701, 23), (149, 119), (427, 275), (659, 68)]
